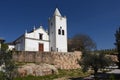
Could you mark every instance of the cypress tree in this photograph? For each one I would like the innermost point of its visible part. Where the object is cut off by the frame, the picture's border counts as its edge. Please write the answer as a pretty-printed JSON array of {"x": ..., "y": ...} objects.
[{"x": 117, "y": 36}]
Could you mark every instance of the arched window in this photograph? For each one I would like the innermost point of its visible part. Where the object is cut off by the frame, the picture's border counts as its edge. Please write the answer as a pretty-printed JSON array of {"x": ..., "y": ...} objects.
[
  {"x": 59, "y": 31},
  {"x": 63, "y": 32}
]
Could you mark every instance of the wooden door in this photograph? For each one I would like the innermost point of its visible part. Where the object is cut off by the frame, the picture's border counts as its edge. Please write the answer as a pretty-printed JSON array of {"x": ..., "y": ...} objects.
[{"x": 41, "y": 47}]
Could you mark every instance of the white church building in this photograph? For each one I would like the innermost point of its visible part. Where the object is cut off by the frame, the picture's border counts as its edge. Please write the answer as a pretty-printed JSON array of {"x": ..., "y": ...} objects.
[{"x": 55, "y": 39}]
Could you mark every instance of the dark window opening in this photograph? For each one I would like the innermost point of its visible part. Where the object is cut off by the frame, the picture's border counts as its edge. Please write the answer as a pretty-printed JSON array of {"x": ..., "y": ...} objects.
[
  {"x": 59, "y": 31},
  {"x": 51, "y": 23},
  {"x": 60, "y": 27},
  {"x": 51, "y": 49},
  {"x": 63, "y": 32},
  {"x": 40, "y": 36}
]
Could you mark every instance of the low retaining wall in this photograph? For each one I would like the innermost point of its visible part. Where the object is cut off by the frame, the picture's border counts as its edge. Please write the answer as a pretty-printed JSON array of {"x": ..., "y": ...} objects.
[{"x": 60, "y": 60}]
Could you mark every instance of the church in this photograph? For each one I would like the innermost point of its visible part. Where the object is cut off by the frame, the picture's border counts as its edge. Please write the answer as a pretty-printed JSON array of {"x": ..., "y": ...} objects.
[{"x": 55, "y": 39}]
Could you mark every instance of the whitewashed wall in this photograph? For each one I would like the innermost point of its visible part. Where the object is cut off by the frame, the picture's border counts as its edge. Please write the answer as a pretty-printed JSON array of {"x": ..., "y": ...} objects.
[
  {"x": 11, "y": 47},
  {"x": 32, "y": 40},
  {"x": 61, "y": 40},
  {"x": 35, "y": 34},
  {"x": 58, "y": 42},
  {"x": 20, "y": 44},
  {"x": 33, "y": 45},
  {"x": 52, "y": 37}
]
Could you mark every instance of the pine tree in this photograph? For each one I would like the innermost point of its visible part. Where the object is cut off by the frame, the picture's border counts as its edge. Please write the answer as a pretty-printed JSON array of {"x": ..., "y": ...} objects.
[{"x": 117, "y": 36}]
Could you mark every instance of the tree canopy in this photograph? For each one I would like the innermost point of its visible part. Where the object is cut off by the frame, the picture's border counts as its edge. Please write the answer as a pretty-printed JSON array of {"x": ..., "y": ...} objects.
[
  {"x": 7, "y": 63},
  {"x": 117, "y": 38},
  {"x": 81, "y": 42},
  {"x": 95, "y": 61},
  {"x": 4, "y": 47}
]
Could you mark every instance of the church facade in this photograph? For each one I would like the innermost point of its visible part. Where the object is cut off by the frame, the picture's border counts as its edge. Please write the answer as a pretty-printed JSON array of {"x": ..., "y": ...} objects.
[{"x": 55, "y": 39}]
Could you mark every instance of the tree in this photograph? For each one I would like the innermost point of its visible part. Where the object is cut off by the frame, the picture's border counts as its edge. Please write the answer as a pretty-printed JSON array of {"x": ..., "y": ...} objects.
[
  {"x": 117, "y": 36},
  {"x": 81, "y": 42},
  {"x": 8, "y": 64},
  {"x": 4, "y": 47},
  {"x": 95, "y": 61}
]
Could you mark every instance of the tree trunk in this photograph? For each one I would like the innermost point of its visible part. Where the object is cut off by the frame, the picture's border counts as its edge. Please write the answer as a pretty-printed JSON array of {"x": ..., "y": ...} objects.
[{"x": 95, "y": 73}]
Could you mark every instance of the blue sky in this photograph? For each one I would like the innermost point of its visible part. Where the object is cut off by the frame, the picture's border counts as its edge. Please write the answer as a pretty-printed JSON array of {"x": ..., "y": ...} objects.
[{"x": 97, "y": 18}]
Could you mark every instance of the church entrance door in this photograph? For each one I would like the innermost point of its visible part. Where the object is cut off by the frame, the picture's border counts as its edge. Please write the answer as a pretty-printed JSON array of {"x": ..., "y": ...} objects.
[{"x": 41, "y": 47}]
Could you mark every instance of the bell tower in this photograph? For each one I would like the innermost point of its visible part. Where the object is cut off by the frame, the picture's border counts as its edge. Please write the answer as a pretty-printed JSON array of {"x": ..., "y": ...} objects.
[{"x": 58, "y": 32}]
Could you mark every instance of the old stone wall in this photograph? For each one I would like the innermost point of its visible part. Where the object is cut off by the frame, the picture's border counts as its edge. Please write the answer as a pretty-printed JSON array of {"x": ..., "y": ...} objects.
[
  {"x": 60, "y": 60},
  {"x": 113, "y": 57}
]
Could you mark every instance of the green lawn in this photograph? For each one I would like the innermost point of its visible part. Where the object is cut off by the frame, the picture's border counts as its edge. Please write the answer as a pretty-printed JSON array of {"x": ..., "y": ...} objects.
[{"x": 62, "y": 73}]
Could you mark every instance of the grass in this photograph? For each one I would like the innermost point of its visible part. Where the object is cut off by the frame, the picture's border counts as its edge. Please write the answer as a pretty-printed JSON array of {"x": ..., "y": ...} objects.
[{"x": 62, "y": 73}]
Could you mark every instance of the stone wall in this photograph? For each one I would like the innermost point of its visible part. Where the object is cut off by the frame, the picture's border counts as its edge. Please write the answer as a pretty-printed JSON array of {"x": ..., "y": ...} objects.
[
  {"x": 59, "y": 60},
  {"x": 113, "y": 57}
]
